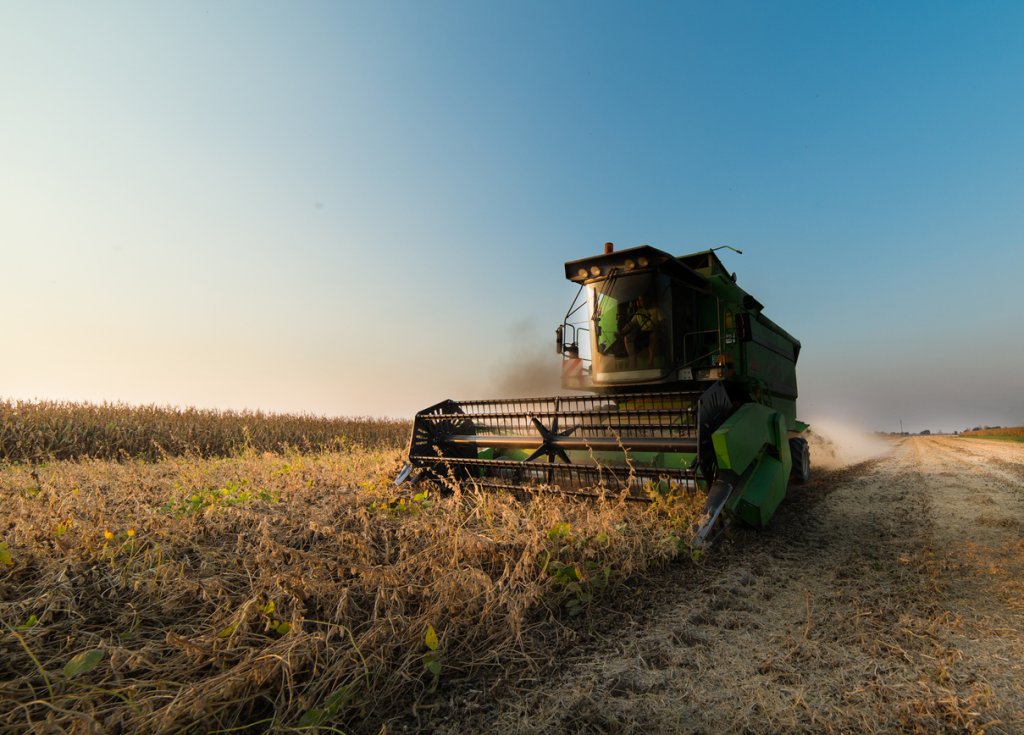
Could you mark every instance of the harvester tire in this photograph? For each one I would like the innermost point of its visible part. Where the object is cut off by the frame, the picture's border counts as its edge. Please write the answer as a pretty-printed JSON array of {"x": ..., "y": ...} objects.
[{"x": 801, "y": 455}]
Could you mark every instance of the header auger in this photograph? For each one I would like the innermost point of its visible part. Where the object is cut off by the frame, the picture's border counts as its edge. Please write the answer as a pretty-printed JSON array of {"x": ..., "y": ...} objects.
[{"x": 689, "y": 384}]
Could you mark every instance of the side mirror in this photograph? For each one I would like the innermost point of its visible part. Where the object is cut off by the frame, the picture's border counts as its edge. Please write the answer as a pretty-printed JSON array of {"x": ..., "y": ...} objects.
[{"x": 558, "y": 338}]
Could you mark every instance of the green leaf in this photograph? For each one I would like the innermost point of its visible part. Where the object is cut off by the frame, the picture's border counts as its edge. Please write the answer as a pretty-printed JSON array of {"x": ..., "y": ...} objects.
[
  {"x": 431, "y": 638},
  {"x": 83, "y": 662},
  {"x": 433, "y": 665},
  {"x": 335, "y": 701},
  {"x": 227, "y": 631},
  {"x": 5, "y": 555},
  {"x": 312, "y": 718},
  {"x": 338, "y": 699},
  {"x": 283, "y": 627},
  {"x": 560, "y": 531},
  {"x": 28, "y": 624}
]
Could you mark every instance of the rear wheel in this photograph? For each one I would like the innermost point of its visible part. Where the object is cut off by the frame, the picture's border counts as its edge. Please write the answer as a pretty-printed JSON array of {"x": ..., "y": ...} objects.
[{"x": 801, "y": 455}]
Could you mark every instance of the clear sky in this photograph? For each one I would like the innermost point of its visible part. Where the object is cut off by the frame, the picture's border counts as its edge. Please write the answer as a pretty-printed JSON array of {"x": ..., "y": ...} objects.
[{"x": 362, "y": 208}]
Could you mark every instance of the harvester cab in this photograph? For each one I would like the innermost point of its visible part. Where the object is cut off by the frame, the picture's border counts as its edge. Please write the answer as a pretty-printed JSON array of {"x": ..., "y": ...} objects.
[{"x": 688, "y": 386}]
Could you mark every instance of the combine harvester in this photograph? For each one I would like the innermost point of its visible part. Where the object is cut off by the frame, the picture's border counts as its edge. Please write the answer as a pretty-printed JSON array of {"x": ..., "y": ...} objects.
[{"x": 691, "y": 387}]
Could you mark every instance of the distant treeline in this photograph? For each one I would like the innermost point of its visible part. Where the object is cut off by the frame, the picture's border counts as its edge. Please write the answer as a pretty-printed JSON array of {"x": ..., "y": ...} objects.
[{"x": 38, "y": 431}]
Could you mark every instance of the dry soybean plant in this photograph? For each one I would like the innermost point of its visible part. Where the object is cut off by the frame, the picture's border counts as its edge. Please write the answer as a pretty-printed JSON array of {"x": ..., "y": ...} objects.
[{"x": 284, "y": 592}]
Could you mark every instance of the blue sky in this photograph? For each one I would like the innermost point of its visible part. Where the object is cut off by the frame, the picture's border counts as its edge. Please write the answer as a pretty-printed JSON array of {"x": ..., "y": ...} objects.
[{"x": 362, "y": 208}]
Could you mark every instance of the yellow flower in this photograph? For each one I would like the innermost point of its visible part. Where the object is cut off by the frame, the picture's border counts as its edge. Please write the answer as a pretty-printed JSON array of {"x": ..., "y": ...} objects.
[
  {"x": 131, "y": 533},
  {"x": 108, "y": 535}
]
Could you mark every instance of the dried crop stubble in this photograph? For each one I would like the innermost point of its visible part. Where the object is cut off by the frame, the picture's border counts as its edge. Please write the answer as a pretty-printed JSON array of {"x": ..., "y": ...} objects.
[
  {"x": 879, "y": 600},
  {"x": 283, "y": 590}
]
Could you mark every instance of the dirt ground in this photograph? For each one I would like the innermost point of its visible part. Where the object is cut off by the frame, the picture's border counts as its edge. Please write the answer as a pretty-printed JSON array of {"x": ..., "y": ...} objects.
[{"x": 887, "y": 596}]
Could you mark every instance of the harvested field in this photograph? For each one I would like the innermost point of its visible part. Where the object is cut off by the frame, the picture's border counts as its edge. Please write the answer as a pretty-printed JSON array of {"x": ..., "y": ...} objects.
[
  {"x": 886, "y": 597},
  {"x": 289, "y": 592}
]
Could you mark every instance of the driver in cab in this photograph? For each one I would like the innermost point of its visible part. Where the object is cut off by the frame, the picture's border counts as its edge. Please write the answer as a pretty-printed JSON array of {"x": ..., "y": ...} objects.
[{"x": 641, "y": 331}]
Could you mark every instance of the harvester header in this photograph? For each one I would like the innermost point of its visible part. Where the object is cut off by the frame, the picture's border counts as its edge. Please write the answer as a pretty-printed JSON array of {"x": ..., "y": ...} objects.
[{"x": 690, "y": 385}]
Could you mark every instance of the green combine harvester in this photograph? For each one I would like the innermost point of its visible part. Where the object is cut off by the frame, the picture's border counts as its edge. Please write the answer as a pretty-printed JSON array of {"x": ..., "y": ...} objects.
[{"x": 688, "y": 386}]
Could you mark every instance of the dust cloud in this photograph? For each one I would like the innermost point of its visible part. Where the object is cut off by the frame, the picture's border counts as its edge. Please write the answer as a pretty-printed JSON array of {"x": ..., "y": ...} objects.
[
  {"x": 530, "y": 374},
  {"x": 835, "y": 444},
  {"x": 532, "y": 370}
]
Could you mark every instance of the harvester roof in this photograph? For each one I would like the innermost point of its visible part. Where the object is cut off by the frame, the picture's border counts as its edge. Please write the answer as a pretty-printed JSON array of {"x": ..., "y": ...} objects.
[
  {"x": 642, "y": 257},
  {"x": 705, "y": 262}
]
